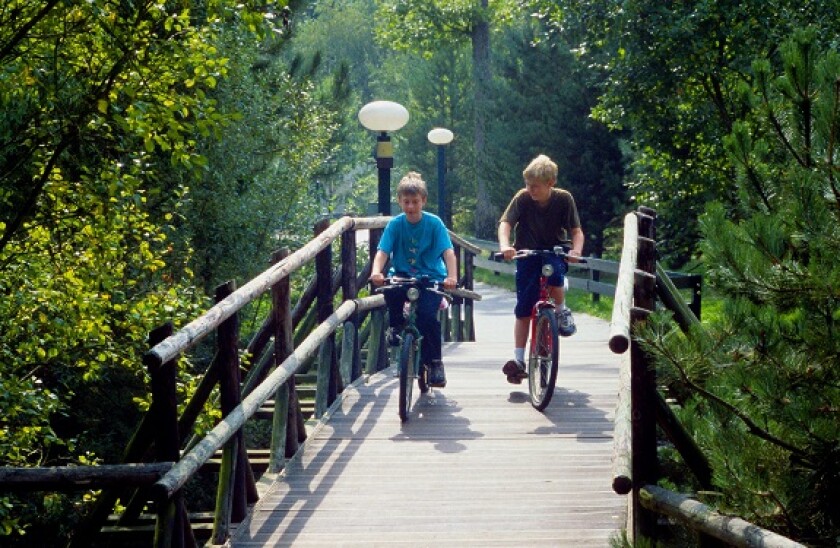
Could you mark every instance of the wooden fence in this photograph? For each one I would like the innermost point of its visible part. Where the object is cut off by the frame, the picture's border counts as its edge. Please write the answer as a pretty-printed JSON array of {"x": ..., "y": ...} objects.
[
  {"x": 597, "y": 276},
  {"x": 641, "y": 407},
  {"x": 163, "y": 455}
]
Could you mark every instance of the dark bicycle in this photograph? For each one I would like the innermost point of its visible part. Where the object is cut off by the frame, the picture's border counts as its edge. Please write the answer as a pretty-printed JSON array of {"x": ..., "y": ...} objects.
[
  {"x": 544, "y": 348},
  {"x": 409, "y": 366}
]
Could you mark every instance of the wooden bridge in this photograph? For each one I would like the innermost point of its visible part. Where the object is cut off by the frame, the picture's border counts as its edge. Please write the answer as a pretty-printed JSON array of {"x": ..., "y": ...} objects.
[{"x": 475, "y": 464}]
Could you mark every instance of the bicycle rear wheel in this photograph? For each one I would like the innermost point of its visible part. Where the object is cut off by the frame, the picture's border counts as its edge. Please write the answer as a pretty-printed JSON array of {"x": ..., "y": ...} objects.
[
  {"x": 544, "y": 360},
  {"x": 407, "y": 352}
]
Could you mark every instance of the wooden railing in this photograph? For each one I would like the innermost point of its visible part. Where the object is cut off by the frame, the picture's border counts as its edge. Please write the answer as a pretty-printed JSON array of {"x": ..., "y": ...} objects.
[
  {"x": 641, "y": 280},
  {"x": 162, "y": 457},
  {"x": 597, "y": 276}
]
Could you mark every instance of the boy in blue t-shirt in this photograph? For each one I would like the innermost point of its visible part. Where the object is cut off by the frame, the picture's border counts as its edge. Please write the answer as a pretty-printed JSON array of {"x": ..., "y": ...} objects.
[{"x": 418, "y": 244}]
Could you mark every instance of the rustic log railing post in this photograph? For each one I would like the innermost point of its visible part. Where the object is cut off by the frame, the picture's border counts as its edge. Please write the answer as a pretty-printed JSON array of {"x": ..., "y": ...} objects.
[
  {"x": 350, "y": 364},
  {"x": 377, "y": 349},
  {"x": 231, "y": 503},
  {"x": 456, "y": 330},
  {"x": 327, "y": 383},
  {"x": 469, "y": 308},
  {"x": 173, "y": 524},
  {"x": 643, "y": 379},
  {"x": 284, "y": 421},
  {"x": 619, "y": 343}
]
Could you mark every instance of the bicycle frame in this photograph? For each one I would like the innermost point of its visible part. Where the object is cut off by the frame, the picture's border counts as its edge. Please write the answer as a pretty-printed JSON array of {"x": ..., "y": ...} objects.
[
  {"x": 543, "y": 301},
  {"x": 544, "y": 344},
  {"x": 409, "y": 364}
]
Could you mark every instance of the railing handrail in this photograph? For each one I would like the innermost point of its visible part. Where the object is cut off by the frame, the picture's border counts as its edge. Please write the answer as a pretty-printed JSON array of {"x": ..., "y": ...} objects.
[
  {"x": 623, "y": 302},
  {"x": 193, "y": 332},
  {"x": 175, "y": 478}
]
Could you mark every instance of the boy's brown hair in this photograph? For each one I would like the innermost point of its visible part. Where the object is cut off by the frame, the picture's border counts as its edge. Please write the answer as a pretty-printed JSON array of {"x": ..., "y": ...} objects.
[
  {"x": 540, "y": 170},
  {"x": 412, "y": 184}
]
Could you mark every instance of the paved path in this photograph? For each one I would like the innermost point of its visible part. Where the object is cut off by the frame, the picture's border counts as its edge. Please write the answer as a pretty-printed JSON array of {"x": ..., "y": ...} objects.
[{"x": 475, "y": 465}]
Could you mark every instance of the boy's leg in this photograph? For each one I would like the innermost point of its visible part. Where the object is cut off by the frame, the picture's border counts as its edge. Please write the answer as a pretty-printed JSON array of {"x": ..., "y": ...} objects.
[
  {"x": 430, "y": 348},
  {"x": 556, "y": 288},
  {"x": 527, "y": 293},
  {"x": 395, "y": 301},
  {"x": 520, "y": 331}
]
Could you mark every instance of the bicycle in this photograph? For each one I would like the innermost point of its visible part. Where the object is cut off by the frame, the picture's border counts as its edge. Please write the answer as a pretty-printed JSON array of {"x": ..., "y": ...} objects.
[
  {"x": 409, "y": 366},
  {"x": 544, "y": 346}
]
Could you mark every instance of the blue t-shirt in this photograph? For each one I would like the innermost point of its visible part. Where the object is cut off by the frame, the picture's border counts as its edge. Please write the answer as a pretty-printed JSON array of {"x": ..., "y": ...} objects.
[{"x": 416, "y": 249}]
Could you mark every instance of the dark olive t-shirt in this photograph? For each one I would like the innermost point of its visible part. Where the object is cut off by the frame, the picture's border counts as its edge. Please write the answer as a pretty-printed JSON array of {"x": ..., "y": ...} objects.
[{"x": 541, "y": 227}]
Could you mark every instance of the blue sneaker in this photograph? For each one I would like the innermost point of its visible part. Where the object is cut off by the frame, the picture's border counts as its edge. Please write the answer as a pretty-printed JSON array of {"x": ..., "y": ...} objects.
[{"x": 437, "y": 376}]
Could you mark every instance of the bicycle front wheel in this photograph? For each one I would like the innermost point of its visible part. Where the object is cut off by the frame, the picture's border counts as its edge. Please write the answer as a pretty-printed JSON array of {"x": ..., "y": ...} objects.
[
  {"x": 544, "y": 360},
  {"x": 407, "y": 356}
]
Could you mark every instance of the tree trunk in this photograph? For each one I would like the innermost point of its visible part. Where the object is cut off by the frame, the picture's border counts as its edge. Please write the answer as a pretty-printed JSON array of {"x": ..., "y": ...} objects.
[{"x": 485, "y": 214}]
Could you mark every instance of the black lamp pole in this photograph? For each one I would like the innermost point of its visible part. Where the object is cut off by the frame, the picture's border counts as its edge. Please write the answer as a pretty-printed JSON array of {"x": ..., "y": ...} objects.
[
  {"x": 441, "y": 171},
  {"x": 384, "y": 163}
]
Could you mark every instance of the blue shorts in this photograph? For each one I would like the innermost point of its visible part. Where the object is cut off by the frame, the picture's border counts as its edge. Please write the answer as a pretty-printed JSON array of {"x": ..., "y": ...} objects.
[{"x": 528, "y": 271}]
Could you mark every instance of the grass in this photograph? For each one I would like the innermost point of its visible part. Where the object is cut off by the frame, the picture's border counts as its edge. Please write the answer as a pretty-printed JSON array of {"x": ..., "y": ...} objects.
[
  {"x": 577, "y": 300},
  {"x": 581, "y": 301}
]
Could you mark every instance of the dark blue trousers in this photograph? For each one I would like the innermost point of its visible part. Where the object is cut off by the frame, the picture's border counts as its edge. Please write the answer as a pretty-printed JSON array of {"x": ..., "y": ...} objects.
[{"x": 427, "y": 320}]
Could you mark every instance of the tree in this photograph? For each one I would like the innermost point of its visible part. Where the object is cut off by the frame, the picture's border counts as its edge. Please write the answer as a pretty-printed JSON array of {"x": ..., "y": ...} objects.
[
  {"x": 262, "y": 173},
  {"x": 671, "y": 74},
  {"x": 423, "y": 27},
  {"x": 544, "y": 106},
  {"x": 765, "y": 380},
  {"x": 103, "y": 105}
]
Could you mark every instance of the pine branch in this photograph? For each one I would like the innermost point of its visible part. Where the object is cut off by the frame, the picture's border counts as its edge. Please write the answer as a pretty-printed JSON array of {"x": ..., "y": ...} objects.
[{"x": 752, "y": 427}]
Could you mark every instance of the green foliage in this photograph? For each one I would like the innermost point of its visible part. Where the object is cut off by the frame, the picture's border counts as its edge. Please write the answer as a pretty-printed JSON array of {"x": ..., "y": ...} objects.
[
  {"x": 103, "y": 107},
  {"x": 671, "y": 75},
  {"x": 525, "y": 123},
  {"x": 765, "y": 379},
  {"x": 257, "y": 192}
]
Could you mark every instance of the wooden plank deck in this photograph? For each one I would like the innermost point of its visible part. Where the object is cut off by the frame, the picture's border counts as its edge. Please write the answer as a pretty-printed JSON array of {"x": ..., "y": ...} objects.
[{"x": 476, "y": 465}]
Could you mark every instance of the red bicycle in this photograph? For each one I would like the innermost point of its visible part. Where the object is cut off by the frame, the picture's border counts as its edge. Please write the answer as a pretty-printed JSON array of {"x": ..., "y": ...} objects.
[{"x": 544, "y": 348}]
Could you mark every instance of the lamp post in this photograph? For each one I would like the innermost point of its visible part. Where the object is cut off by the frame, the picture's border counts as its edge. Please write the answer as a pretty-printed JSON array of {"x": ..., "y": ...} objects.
[
  {"x": 384, "y": 116},
  {"x": 441, "y": 137}
]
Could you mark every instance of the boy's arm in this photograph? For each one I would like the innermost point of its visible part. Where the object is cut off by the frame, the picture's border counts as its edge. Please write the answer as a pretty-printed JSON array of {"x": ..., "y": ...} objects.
[
  {"x": 504, "y": 240},
  {"x": 449, "y": 259},
  {"x": 379, "y": 261},
  {"x": 577, "y": 242}
]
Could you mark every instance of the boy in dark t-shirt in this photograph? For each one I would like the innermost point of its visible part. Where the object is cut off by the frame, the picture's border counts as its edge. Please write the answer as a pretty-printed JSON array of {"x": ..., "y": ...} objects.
[{"x": 542, "y": 217}]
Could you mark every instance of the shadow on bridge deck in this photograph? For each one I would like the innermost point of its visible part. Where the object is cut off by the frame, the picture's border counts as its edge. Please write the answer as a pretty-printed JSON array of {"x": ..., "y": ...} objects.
[{"x": 475, "y": 465}]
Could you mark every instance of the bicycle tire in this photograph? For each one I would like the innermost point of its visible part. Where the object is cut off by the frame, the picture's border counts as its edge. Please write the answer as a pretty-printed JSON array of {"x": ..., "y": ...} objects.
[
  {"x": 544, "y": 360},
  {"x": 407, "y": 357}
]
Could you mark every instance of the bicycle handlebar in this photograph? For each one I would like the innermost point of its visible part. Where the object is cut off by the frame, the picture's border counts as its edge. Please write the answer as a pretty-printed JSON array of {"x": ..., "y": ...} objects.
[
  {"x": 558, "y": 251},
  {"x": 420, "y": 283}
]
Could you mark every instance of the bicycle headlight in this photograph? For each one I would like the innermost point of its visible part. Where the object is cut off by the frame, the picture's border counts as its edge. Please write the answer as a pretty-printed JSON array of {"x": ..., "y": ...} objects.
[
  {"x": 413, "y": 294},
  {"x": 547, "y": 270}
]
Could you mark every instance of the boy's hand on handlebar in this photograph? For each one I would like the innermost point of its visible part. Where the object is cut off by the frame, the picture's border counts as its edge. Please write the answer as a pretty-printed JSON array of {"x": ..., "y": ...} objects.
[
  {"x": 377, "y": 278},
  {"x": 573, "y": 256},
  {"x": 450, "y": 283},
  {"x": 507, "y": 252}
]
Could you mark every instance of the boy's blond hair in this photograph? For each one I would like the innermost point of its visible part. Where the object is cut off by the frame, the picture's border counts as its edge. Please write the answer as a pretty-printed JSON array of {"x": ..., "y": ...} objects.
[
  {"x": 412, "y": 184},
  {"x": 540, "y": 170}
]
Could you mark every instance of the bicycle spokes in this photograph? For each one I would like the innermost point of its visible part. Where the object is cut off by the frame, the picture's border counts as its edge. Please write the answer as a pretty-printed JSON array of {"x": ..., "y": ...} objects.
[{"x": 543, "y": 361}]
